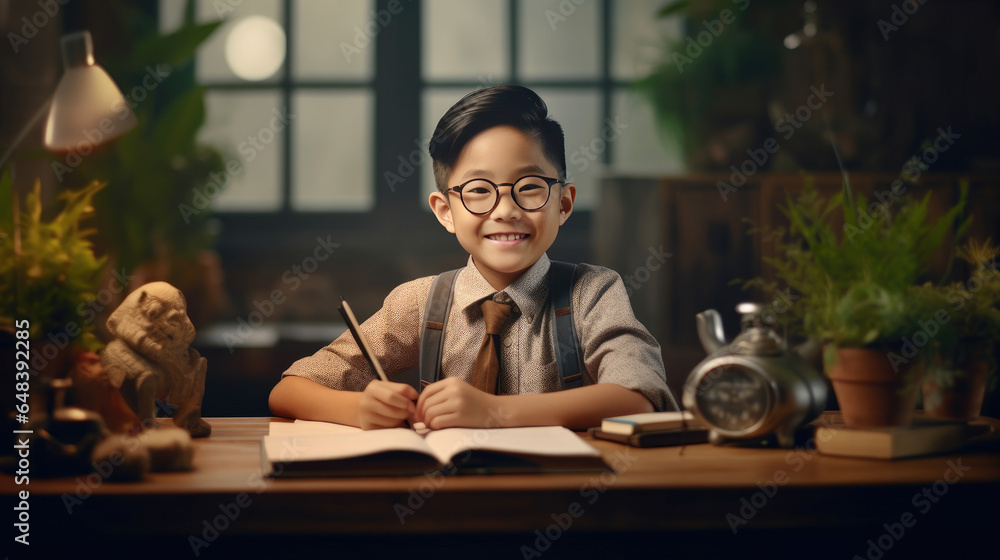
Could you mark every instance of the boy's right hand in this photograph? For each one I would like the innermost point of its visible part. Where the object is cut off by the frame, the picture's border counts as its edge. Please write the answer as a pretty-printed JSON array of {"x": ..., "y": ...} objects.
[{"x": 385, "y": 404}]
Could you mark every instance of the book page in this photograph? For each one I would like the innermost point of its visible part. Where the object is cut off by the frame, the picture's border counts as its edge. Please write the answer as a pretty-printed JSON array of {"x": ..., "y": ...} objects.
[
  {"x": 305, "y": 427},
  {"x": 318, "y": 447},
  {"x": 553, "y": 441}
]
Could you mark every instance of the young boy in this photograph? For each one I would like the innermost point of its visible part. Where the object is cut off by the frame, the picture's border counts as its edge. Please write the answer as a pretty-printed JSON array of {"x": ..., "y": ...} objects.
[{"x": 500, "y": 168}]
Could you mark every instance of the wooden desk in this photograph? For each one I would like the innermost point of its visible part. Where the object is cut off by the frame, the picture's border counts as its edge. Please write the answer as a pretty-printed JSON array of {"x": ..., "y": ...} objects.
[{"x": 780, "y": 501}]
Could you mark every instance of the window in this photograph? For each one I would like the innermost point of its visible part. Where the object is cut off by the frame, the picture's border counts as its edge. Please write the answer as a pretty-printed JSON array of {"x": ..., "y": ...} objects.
[
  {"x": 294, "y": 89},
  {"x": 579, "y": 55},
  {"x": 290, "y": 96}
]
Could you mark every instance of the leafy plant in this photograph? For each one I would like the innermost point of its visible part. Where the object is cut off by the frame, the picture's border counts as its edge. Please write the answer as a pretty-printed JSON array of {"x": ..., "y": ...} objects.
[
  {"x": 977, "y": 301},
  {"x": 156, "y": 169},
  {"x": 687, "y": 86},
  {"x": 967, "y": 314},
  {"x": 47, "y": 268},
  {"x": 856, "y": 284}
]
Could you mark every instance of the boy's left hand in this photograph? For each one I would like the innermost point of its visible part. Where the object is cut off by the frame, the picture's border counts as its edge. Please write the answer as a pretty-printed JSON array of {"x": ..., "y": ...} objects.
[{"x": 452, "y": 402}]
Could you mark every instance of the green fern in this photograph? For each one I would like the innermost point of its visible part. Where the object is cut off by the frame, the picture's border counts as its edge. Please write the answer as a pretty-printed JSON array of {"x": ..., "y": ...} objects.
[
  {"x": 855, "y": 282},
  {"x": 48, "y": 270}
]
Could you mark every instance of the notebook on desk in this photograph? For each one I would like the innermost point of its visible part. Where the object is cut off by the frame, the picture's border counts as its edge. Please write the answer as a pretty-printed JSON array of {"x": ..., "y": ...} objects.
[
  {"x": 661, "y": 438},
  {"x": 401, "y": 451}
]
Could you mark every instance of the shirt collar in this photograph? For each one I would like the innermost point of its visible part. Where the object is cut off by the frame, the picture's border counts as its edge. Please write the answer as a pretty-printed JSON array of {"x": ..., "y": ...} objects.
[{"x": 471, "y": 288}]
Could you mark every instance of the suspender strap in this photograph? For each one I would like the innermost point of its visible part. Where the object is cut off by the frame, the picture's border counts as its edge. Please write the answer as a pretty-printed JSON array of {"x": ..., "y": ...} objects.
[
  {"x": 435, "y": 316},
  {"x": 561, "y": 276},
  {"x": 567, "y": 346}
]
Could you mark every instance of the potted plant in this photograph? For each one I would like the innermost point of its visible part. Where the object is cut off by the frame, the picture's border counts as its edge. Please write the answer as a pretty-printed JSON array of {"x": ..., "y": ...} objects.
[
  {"x": 855, "y": 272},
  {"x": 709, "y": 91},
  {"x": 49, "y": 276},
  {"x": 968, "y": 315}
]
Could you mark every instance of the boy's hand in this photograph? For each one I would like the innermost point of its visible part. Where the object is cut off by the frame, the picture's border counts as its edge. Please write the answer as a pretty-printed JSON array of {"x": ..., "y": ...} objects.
[
  {"x": 385, "y": 404},
  {"x": 452, "y": 402}
]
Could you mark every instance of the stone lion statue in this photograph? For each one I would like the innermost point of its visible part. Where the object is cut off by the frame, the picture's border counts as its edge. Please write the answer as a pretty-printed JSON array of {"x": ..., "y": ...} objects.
[{"x": 150, "y": 357}]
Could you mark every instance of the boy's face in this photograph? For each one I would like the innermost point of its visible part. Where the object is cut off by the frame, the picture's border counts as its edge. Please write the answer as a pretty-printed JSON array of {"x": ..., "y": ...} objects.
[{"x": 508, "y": 240}]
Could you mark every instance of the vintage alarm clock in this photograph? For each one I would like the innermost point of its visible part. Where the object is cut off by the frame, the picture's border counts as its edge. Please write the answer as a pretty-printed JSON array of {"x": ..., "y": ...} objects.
[{"x": 755, "y": 386}]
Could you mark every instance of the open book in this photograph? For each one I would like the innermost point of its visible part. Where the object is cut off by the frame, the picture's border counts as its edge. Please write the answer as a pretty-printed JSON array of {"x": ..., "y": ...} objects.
[{"x": 401, "y": 451}]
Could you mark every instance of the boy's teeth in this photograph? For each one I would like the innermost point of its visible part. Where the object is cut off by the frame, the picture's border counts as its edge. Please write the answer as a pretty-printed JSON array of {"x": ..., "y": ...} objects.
[{"x": 506, "y": 237}]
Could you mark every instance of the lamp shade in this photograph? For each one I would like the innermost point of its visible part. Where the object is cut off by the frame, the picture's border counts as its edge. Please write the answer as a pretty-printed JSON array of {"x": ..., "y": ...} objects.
[{"x": 88, "y": 108}]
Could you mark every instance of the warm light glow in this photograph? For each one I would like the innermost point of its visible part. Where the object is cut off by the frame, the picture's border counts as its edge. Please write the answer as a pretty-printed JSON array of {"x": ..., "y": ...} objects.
[
  {"x": 87, "y": 108},
  {"x": 255, "y": 48}
]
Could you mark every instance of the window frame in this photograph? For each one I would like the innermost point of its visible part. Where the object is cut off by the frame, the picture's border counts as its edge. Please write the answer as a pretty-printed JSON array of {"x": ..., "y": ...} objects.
[{"x": 398, "y": 86}]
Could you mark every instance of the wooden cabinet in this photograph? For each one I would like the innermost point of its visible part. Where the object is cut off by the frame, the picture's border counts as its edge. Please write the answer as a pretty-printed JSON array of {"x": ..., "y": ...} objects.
[{"x": 706, "y": 230}]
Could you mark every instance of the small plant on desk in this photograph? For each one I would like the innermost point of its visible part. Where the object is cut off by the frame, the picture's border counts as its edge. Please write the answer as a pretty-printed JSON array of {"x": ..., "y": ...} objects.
[{"x": 855, "y": 264}]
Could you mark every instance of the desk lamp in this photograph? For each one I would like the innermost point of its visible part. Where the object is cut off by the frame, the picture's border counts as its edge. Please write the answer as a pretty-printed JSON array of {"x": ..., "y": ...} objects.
[{"x": 85, "y": 105}]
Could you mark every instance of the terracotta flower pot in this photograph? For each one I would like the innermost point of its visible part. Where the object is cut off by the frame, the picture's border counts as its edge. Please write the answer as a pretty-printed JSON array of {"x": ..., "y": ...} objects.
[
  {"x": 870, "y": 391},
  {"x": 92, "y": 390},
  {"x": 963, "y": 399}
]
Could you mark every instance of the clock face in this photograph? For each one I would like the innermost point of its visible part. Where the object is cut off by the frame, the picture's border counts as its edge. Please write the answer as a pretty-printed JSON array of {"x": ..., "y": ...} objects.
[{"x": 732, "y": 398}]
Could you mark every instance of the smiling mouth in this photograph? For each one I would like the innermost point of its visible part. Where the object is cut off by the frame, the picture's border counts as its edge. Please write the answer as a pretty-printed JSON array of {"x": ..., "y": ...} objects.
[{"x": 507, "y": 236}]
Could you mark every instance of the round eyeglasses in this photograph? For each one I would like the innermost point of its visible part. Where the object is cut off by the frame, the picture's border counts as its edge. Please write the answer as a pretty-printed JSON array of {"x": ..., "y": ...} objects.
[{"x": 481, "y": 196}]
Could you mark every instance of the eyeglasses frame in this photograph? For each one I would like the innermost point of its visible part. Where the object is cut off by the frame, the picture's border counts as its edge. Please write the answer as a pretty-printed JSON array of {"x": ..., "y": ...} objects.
[{"x": 496, "y": 188}]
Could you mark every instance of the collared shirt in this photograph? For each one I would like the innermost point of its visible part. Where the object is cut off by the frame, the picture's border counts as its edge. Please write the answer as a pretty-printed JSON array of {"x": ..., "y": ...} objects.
[{"x": 616, "y": 347}]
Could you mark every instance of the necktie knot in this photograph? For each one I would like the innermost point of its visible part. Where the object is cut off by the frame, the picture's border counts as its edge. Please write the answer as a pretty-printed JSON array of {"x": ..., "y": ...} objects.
[{"x": 494, "y": 315}]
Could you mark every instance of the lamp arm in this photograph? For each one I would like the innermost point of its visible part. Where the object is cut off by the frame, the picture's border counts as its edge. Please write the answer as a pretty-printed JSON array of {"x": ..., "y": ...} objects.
[{"x": 24, "y": 132}]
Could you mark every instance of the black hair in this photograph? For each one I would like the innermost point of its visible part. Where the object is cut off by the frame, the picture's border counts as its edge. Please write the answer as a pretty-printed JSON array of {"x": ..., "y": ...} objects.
[{"x": 509, "y": 105}]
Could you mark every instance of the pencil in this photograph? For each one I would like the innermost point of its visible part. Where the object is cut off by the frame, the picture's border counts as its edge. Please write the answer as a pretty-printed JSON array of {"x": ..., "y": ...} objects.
[{"x": 352, "y": 323}]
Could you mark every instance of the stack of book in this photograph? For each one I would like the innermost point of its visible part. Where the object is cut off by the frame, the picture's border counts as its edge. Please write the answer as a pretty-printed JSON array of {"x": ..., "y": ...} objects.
[
  {"x": 924, "y": 436},
  {"x": 653, "y": 429}
]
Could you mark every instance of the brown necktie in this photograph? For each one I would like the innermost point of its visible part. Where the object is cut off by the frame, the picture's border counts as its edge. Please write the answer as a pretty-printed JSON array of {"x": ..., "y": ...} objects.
[{"x": 484, "y": 373}]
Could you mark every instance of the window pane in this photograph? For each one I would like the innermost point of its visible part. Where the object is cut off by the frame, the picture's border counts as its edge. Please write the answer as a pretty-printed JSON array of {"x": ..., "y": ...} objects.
[
  {"x": 435, "y": 102},
  {"x": 248, "y": 127},
  {"x": 262, "y": 48},
  {"x": 637, "y": 43},
  {"x": 171, "y": 14},
  {"x": 641, "y": 148},
  {"x": 220, "y": 53},
  {"x": 332, "y": 160},
  {"x": 335, "y": 39},
  {"x": 465, "y": 40},
  {"x": 578, "y": 111},
  {"x": 558, "y": 39}
]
